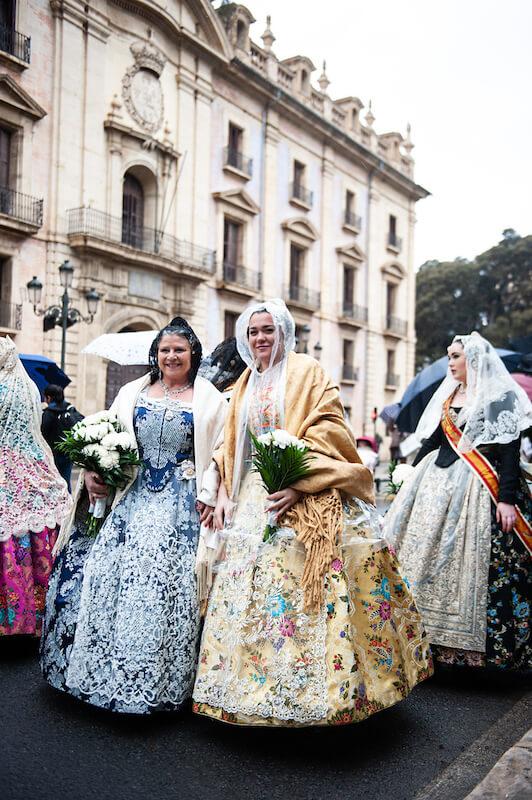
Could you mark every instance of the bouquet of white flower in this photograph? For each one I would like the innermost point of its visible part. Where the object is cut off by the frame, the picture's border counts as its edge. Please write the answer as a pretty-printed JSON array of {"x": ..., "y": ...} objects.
[
  {"x": 280, "y": 459},
  {"x": 100, "y": 444},
  {"x": 397, "y": 474}
]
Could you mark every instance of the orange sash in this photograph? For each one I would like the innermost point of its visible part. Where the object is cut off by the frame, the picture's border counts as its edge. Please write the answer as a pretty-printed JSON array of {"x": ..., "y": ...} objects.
[{"x": 483, "y": 469}]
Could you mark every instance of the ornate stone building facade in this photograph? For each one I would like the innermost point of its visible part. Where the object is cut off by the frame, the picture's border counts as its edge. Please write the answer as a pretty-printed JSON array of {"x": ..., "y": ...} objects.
[{"x": 184, "y": 168}]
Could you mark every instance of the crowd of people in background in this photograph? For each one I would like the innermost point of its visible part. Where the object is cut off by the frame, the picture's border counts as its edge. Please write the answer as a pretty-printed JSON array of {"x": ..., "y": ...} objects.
[{"x": 178, "y": 597}]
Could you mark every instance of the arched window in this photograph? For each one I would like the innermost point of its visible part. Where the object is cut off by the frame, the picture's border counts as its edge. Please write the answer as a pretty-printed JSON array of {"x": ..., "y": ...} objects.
[{"x": 132, "y": 211}]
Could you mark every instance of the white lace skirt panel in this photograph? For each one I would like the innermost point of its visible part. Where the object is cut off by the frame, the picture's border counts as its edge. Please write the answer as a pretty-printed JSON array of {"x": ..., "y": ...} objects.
[{"x": 440, "y": 527}]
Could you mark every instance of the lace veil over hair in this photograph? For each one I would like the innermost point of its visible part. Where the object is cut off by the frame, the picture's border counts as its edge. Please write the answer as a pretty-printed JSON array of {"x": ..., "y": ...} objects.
[
  {"x": 496, "y": 409},
  {"x": 265, "y": 386},
  {"x": 32, "y": 493}
]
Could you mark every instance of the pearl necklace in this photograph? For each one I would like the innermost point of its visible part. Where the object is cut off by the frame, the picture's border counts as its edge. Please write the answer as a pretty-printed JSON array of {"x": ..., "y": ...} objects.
[{"x": 169, "y": 392}]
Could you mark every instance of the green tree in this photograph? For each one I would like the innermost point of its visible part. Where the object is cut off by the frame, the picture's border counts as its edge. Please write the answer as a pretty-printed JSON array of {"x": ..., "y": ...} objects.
[{"x": 491, "y": 294}]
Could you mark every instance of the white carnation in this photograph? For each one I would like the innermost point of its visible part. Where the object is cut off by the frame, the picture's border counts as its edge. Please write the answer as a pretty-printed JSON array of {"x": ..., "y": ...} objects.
[
  {"x": 95, "y": 419},
  {"x": 401, "y": 473},
  {"x": 94, "y": 451},
  {"x": 109, "y": 459},
  {"x": 284, "y": 439},
  {"x": 125, "y": 441},
  {"x": 265, "y": 438},
  {"x": 122, "y": 440}
]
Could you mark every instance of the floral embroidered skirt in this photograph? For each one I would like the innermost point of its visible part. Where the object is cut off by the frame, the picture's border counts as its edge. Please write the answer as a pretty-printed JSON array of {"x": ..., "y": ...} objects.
[
  {"x": 25, "y": 566},
  {"x": 122, "y": 617},
  {"x": 471, "y": 581},
  {"x": 264, "y": 661}
]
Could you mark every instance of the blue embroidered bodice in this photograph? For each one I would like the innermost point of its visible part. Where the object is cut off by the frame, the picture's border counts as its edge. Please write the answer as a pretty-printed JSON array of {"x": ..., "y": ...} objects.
[{"x": 165, "y": 436}]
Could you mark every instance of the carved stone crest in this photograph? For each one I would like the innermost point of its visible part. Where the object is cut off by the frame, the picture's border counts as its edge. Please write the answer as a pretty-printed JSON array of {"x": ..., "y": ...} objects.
[{"x": 141, "y": 88}]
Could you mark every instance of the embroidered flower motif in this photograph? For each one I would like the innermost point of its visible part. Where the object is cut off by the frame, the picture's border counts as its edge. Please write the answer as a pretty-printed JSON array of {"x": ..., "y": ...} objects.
[
  {"x": 287, "y": 627},
  {"x": 337, "y": 565},
  {"x": 385, "y": 610},
  {"x": 338, "y": 662},
  {"x": 275, "y": 605}
]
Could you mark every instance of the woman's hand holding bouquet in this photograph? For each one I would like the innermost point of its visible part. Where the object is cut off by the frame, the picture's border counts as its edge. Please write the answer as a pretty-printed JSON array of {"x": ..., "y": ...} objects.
[
  {"x": 281, "y": 460},
  {"x": 100, "y": 445}
]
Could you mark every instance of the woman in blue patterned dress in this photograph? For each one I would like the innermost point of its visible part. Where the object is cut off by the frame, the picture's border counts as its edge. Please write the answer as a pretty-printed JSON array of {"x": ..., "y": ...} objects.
[{"x": 122, "y": 617}]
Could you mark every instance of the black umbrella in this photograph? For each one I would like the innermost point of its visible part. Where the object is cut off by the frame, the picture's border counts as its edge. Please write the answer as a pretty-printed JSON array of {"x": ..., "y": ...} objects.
[{"x": 422, "y": 387}]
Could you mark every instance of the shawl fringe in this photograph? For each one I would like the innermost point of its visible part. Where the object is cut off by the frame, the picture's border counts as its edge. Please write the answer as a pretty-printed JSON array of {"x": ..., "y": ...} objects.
[{"x": 317, "y": 519}]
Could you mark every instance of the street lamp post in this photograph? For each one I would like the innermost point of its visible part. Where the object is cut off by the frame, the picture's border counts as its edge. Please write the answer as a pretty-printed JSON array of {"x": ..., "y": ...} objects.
[
  {"x": 305, "y": 336},
  {"x": 62, "y": 315}
]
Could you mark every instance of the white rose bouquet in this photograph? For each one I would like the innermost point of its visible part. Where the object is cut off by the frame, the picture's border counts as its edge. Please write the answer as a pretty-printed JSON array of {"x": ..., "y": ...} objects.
[
  {"x": 397, "y": 474},
  {"x": 280, "y": 459},
  {"x": 100, "y": 444}
]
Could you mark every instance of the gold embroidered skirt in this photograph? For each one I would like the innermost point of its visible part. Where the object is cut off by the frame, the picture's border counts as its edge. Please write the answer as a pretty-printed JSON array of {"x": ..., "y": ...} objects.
[{"x": 265, "y": 661}]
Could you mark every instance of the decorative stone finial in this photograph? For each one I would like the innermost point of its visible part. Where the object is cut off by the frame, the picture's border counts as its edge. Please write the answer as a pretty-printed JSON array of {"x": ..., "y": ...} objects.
[
  {"x": 408, "y": 145},
  {"x": 167, "y": 134},
  {"x": 370, "y": 116},
  {"x": 267, "y": 37},
  {"x": 323, "y": 80},
  {"x": 114, "y": 112}
]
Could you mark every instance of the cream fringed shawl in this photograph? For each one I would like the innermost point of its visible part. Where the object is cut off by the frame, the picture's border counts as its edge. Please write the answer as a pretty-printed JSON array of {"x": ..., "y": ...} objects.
[{"x": 312, "y": 412}]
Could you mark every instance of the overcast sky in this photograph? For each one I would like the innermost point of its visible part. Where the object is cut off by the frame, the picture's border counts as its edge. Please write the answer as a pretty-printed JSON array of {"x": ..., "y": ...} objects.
[{"x": 460, "y": 71}]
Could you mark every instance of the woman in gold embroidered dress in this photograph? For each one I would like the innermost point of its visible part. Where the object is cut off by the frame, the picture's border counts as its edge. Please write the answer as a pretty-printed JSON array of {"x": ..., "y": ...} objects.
[
  {"x": 316, "y": 626},
  {"x": 456, "y": 522}
]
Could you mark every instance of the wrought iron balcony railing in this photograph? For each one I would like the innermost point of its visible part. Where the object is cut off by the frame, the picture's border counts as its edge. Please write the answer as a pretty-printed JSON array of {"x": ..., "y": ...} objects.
[
  {"x": 15, "y": 43},
  {"x": 396, "y": 325},
  {"x": 352, "y": 219},
  {"x": 392, "y": 379},
  {"x": 234, "y": 158},
  {"x": 300, "y": 192},
  {"x": 302, "y": 295},
  {"x": 349, "y": 372},
  {"x": 354, "y": 312},
  {"x": 21, "y": 206},
  {"x": 395, "y": 241},
  {"x": 235, "y": 273},
  {"x": 90, "y": 222},
  {"x": 10, "y": 315}
]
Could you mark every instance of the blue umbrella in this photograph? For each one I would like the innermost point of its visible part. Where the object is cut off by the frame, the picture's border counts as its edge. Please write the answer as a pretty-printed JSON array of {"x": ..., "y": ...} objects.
[
  {"x": 390, "y": 413},
  {"x": 422, "y": 387},
  {"x": 43, "y": 371}
]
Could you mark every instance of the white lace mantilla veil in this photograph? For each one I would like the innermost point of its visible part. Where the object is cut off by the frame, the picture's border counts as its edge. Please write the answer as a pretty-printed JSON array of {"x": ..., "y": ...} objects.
[
  {"x": 496, "y": 410},
  {"x": 33, "y": 495},
  {"x": 268, "y": 383}
]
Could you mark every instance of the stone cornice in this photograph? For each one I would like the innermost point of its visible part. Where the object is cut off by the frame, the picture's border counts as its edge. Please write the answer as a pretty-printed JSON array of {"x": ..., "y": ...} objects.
[
  {"x": 217, "y": 49},
  {"x": 83, "y": 16},
  {"x": 337, "y": 139}
]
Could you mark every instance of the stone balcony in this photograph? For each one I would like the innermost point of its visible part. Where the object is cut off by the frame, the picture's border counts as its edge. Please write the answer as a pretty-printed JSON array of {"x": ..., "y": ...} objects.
[
  {"x": 237, "y": 163},
  {"x": 354, "y": 314},
  {"x": 94, "y": 231},
  {"x": 240, "y": 280},
  {"x": 349, "y": 373},
  {"x": 303, "y": 297},
  {"x": 396, "y": 326},
  {"x": 15, "y": 47},
  {"x": 392, "y": 380},
  {"x": 352, "y": 222},
  {"x": 20, "y": 214},
  {"x": 394, "y": 243},
  {"x": 300, "y": 196}
]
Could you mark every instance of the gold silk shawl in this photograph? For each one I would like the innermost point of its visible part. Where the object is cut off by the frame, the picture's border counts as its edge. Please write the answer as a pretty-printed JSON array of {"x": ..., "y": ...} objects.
[{"x": 312, "y": 412}]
